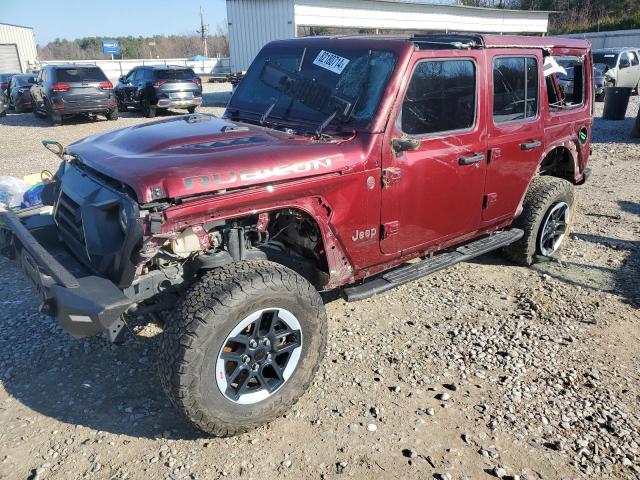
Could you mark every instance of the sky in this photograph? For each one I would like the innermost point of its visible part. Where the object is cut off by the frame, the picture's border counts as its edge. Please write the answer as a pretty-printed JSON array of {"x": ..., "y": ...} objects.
[{"x": 72, "y": 19}]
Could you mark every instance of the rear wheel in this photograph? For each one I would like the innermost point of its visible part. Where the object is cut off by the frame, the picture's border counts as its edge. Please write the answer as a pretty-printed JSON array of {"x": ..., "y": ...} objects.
[
  {"x": 113, "y": 115},
  {"x": 242, "y": 346},
  {"x": 546, "y": 219},
  {"x": 54, "y": 116},
  {"x": 148, "y": 110}
]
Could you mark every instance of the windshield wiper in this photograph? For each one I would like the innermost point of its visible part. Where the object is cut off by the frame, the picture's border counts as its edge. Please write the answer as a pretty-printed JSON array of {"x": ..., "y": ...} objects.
[
  {"x": 265, "y": 115},
  {"x": 324, "y": 124}
]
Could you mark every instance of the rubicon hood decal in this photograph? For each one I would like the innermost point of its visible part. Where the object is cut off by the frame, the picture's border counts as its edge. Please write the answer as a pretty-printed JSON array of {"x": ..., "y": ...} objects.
[
  {"x": 235, "y": 178},
  {"x": 175, "y": 158}
]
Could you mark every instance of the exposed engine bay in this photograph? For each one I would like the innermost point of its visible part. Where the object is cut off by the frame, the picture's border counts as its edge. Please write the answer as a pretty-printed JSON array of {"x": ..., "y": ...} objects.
[{"x": 288, "y": 237}]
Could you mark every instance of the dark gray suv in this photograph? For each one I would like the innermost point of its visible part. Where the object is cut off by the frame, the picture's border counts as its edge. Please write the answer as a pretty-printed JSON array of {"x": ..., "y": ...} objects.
[
  {"x": 150, "y": 88},
  {"x": 62, "y": 90}
]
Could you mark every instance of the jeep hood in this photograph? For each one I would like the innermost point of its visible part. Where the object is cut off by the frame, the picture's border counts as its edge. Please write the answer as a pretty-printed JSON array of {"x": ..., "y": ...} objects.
[{"x": 196, "y": 154}]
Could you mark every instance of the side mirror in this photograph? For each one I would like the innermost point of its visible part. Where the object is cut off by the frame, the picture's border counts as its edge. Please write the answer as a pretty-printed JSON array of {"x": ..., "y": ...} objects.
[
  {"x": 625, "y": 63},
  {"x": 122, "y": 79},
  {"x": 403, "y": 144}
]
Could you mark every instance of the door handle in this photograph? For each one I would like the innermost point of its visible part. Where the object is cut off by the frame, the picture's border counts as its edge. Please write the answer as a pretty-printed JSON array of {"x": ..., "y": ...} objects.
[
  {"x": 530, "y": 145},
  {"x": 468, "y": 160}
]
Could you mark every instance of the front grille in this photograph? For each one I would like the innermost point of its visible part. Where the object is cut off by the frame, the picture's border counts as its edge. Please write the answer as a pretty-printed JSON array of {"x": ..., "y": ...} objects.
[{"x": 69, "y": 219}]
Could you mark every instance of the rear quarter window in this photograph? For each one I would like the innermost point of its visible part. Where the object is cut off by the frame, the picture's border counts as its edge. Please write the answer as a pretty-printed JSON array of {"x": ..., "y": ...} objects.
[{"x": 80, "y": 75}]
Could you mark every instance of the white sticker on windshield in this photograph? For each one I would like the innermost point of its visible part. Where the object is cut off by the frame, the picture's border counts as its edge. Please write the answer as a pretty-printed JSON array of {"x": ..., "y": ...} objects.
[{"x": 331, "y": 61}]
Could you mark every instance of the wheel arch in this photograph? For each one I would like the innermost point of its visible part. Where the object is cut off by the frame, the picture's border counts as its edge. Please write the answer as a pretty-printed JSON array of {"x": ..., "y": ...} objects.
[
  {"x": 337, "y": 265},
  {"x": 561, "y": 160}
]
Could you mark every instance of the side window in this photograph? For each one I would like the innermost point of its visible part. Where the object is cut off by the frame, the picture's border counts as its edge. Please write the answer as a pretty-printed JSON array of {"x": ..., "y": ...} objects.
[
  {"x": 441, "y": 97},
  {"x": 515, "y": 88},
  {"x": 572, "y": 83},
  {"x": 624, "y": 57},
  {"x": 634, "y": 58}
]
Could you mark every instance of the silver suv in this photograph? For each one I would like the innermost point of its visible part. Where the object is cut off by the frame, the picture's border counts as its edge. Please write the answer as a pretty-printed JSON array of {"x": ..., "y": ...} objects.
[{"x": 621, "y": 66}]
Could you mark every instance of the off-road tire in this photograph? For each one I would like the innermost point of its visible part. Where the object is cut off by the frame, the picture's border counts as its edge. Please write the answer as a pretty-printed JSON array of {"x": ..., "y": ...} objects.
[
  {"x": 113, "y": 115},
  {"x": 148, "y": 110},
  {"x": 200, "y": 324},
  {"x": 544, "y": 192}
]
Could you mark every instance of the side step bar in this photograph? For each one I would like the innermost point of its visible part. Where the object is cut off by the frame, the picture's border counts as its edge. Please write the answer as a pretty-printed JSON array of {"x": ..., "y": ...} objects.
[{"x": 414, "y": 271}]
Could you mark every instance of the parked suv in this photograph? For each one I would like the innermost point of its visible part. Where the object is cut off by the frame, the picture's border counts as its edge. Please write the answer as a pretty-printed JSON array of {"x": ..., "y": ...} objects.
[
  {"x": 19, "y": 92},
  {"x": 338, "y": 161},
  {"x": 159, "y": 87},
  {"x": 63, "y": 90},
  {"x": 622, "y": 66}
]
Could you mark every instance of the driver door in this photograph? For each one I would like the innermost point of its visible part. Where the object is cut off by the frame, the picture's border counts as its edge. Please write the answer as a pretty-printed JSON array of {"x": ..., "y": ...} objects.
[{"x": 434, "y": 153}]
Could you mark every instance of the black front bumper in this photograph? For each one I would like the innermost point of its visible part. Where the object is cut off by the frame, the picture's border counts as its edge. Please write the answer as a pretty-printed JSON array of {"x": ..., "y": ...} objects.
[{"x": 83, "y": 304}]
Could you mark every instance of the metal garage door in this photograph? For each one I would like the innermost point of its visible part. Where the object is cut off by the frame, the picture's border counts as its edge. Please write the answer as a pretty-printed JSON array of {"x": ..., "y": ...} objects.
[{"x": 9, "y": 61}]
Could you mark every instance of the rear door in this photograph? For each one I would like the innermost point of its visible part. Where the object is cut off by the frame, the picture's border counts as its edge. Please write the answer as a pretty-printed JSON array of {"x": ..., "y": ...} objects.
[
  {"x": 83, "y": 85},
  {"x": 432, "y": 189},
  {"x": 177, "y": 84},
  {"x": 515, "y": 128}
]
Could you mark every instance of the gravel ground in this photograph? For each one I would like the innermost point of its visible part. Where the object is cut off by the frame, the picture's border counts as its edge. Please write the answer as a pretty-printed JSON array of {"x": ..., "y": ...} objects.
[{"x": 484, "y": 370}]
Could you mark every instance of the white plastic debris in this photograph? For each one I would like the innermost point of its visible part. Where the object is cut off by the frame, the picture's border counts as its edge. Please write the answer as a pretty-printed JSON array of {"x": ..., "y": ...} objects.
[{"x": 12, "y": 191}]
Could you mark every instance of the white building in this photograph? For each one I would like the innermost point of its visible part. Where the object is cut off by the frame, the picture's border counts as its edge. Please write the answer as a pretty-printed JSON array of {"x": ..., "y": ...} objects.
[
  {"x": 253, "y": 23},
  {"x": 614, "y": 38},
  {"x": 18, "y": 51}
]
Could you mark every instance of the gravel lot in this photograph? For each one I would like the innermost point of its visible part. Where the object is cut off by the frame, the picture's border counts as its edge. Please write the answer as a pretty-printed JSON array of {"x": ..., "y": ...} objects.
[{"x": 485, "y": 370}]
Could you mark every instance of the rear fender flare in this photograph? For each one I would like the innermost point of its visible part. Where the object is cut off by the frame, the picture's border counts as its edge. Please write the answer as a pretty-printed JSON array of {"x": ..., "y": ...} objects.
[{"x": 568, "y": 144}]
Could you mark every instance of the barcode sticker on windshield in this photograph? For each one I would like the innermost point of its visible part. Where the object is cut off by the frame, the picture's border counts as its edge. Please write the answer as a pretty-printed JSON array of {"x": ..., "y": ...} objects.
[{"x": 331, "y": 61}]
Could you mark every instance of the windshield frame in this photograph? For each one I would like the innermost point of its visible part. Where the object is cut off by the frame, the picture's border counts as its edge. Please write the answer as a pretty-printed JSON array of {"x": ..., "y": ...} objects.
[{"x": 399, "y": 48}]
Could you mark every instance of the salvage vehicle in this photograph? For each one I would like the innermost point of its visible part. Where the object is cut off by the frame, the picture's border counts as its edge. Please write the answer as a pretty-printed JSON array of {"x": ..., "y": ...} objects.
[
  {"x": 19, "y": 92},
  {"x": 352, "y": 163},
  {"x": 623, "y": 67},
  {"x": 65, "y": 90},
  {"x": 5, "y": 78},
  {"x": 151, "y": 88}
]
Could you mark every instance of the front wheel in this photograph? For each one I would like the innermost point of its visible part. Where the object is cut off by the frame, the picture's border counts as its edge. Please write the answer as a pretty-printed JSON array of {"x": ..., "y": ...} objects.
[
  {"x": 546, "y": 219},
  {"x": 242, "y": 346}
]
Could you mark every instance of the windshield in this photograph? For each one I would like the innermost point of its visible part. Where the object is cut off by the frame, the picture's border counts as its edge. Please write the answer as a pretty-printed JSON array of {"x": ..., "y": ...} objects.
[
  {"x": 24, "y": 80},
  {"x": 609, "y": 59},
  {"x": 93, "y": 74},
  {"x": 175, "y": 74},
  {"x": 312, "y": 83},
  {"x": 600, "y": 68}
]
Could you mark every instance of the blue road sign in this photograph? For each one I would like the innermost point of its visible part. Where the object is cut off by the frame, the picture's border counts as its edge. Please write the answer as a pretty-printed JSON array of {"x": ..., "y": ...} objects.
[{"x": 111, "y": 47}]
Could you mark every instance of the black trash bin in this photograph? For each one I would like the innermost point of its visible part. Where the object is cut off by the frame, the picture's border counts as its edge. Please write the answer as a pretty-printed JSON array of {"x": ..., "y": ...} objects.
[
  {"x": 616, "y": 101},
  {"x": 635, "y": 130}
]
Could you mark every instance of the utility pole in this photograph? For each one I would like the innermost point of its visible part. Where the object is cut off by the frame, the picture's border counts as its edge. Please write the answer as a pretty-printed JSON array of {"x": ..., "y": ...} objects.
[{"x": 204, "y": 31}]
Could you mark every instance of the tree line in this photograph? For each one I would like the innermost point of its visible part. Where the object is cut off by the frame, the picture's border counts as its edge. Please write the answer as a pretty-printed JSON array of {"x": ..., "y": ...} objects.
[
  {"x": 157, "y": 46},
  {"x": 575, "y": 16}
]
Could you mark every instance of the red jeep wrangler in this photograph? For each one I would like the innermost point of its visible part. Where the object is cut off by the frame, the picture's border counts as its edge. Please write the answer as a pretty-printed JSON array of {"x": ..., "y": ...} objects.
[{"x": 337, "y": 161}]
